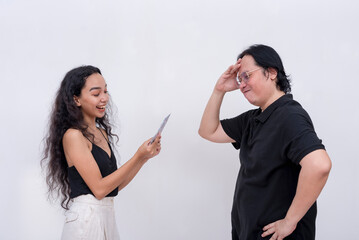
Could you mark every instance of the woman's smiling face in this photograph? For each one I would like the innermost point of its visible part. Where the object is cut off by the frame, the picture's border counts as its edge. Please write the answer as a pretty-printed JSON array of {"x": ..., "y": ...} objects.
[{"x": 93, "y": 98}]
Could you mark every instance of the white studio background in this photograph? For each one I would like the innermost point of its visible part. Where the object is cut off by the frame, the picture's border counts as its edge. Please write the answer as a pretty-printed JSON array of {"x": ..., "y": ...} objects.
[{"x": 161, "y": 57}]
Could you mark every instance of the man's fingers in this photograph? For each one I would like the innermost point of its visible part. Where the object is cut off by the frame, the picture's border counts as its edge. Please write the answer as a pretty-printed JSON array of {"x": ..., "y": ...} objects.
[
  {"x": 268, "y": 226},
  {"x": 229, "y": 70},
  {"x": 268, "y": 232},
  {"x": 274, "y": 237}
]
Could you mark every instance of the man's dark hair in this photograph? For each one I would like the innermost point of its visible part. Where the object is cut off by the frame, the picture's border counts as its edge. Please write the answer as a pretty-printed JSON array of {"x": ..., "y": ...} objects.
[{"x": 266, "y": 57}]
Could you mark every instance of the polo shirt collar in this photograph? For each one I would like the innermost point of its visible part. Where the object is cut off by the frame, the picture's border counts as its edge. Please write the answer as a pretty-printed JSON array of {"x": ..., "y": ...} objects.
[{"x": 263, "y": 116}]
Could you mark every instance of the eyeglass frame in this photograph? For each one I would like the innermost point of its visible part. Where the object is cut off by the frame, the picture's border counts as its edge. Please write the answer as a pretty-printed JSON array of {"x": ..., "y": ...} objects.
[{"x": 244, "y": 76}]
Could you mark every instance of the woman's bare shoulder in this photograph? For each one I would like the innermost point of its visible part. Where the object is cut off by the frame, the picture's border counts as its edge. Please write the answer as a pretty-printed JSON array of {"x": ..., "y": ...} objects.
[{"x": 72, "y": 134}]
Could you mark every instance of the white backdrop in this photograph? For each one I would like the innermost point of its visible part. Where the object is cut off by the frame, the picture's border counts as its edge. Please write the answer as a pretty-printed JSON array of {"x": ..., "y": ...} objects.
[{"x": 161, "y": 57}]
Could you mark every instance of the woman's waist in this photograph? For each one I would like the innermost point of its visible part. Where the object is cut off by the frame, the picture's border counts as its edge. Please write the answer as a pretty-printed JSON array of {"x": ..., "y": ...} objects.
[{"x": 90, "y": 199}]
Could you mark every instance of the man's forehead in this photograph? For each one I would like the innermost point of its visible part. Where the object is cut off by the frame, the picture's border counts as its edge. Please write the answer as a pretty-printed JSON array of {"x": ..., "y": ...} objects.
[{"x": 247, "y": 62}]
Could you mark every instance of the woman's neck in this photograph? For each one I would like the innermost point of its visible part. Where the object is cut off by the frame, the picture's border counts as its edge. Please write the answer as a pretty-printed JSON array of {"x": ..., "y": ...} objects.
[{"x": 90, "y": 122}]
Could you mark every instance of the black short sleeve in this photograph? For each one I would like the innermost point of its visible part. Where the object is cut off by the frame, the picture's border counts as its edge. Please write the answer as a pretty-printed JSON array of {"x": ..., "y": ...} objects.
[
  {"x": 301, "y": 136},
  {"x": 234, "y": 127}
]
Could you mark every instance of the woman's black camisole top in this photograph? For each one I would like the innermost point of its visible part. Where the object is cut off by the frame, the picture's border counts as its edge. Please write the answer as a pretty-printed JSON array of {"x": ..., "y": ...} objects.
[{"x": 106, "y": 164}]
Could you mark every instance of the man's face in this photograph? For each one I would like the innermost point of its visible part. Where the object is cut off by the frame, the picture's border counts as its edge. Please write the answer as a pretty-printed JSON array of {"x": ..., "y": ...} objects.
[{"x": 258, "y": 86}]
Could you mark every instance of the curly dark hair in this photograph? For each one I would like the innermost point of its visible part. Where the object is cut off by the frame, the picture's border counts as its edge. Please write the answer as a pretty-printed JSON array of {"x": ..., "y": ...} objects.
[
  {"x": 65, "y": 114},
  {"x": 266, "y": 57}
]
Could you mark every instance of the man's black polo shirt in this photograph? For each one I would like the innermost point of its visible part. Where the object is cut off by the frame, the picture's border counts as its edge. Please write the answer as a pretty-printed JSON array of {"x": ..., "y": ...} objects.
[{"x": 271, "y": 143}]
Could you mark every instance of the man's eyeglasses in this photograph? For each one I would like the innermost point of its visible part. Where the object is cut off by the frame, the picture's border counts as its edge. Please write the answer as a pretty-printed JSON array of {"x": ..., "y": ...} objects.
[{"x": 244, "y": 76}]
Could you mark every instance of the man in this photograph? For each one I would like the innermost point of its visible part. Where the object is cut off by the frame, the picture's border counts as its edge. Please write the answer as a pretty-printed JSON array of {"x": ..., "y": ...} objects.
[{"x": 284, "y": 166}]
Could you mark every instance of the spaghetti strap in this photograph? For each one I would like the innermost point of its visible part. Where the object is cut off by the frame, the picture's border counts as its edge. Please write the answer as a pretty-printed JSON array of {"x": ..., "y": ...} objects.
[
  {"x": 104, "y": 136},
  {"x": 88, "y": 138}
]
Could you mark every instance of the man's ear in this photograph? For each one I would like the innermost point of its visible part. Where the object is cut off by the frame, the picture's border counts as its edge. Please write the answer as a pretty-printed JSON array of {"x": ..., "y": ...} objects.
[
  {"x": 77, "y": 101},
  {"x": 272, "y": 73}
]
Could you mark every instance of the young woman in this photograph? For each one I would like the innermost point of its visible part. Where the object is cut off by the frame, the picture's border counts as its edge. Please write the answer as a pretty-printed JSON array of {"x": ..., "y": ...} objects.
[{"x": 79, "y": 160}]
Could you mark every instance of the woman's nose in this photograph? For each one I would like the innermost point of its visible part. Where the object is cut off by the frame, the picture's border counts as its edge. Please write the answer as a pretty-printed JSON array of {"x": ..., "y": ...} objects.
[{"x": 104, "y": 98}]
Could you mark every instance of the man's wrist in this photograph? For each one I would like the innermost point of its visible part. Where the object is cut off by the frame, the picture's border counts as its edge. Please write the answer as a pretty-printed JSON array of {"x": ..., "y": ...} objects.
[
  {"x": 218, "y": 93},
  {"x": 291, "y": 220}
]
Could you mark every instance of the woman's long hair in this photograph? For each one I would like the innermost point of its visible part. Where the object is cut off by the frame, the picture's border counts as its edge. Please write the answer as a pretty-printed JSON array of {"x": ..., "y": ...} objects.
[{"x": 65, "y": 114}]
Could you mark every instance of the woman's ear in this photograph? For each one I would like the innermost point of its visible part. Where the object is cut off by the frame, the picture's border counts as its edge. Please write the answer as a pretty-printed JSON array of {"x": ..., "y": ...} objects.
[
  {"x": 77, "y": 101},
  {"x": 272, "y": 73}
]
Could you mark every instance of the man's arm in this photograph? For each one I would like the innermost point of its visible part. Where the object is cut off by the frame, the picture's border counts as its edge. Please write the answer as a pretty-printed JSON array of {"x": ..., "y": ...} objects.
[
  {"x": 312, "y": 178},
  {"x": 211, "y": 128}
]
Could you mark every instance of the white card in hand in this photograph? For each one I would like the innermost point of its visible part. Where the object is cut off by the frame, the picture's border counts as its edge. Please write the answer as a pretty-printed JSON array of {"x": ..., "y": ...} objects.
[{"x": 160, "y": 129}]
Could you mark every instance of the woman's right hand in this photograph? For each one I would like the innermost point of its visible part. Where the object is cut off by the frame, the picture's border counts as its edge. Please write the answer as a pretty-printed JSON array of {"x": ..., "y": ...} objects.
[
  {"x": 147, "y": 150},
  {"x": 228, "y": 80}
]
